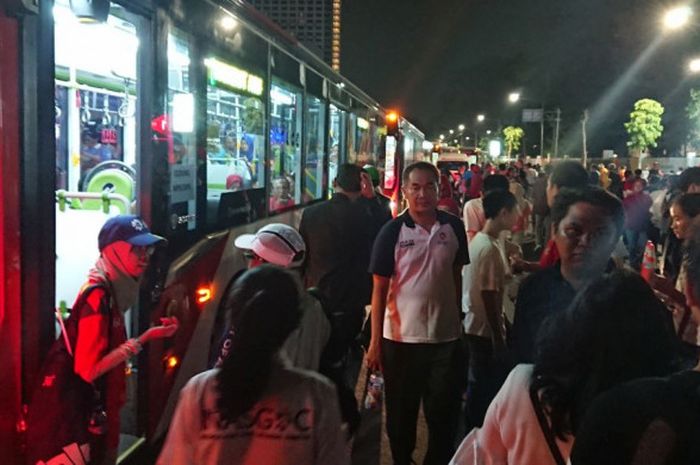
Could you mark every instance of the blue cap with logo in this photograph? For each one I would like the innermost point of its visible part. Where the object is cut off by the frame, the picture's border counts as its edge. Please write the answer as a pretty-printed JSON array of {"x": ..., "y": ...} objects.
[{"x": 128, "y": 228}]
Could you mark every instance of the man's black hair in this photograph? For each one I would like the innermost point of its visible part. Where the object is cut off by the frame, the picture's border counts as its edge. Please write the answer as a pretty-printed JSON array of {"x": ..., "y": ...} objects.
[
  {"x": 689, "y": 177},
  {"x": 423, "y": 166},
  {"x": 348, "y": 177},
  {"x": 495, "y": 182},
  {"x": 497, "y": 200},
  {"x": 569, "y": 174},
  {"x": 593, "y": 195}
]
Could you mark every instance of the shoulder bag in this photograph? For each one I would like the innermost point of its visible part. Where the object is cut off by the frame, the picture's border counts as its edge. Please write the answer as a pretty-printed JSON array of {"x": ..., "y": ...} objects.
[{"x": 545, "y": 426}]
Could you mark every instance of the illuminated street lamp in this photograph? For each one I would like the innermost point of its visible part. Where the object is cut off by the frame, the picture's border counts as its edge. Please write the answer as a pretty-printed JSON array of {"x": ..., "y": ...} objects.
[
  {"x": 442, "y": 136},
  {"x": 460, "y": 127},
  {"x": 514, "y": 97},
  {"x": 480, "y": 118},
  {"x": 694, "y": 65},
  {"x": 488, "y": 132},
  {"x": 452, "y": 131},
  {"x": 677, "y": 17}
]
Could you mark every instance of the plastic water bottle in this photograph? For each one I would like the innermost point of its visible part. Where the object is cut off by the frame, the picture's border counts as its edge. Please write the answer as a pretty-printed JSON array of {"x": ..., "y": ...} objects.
[{"x": 375, "y": 391}]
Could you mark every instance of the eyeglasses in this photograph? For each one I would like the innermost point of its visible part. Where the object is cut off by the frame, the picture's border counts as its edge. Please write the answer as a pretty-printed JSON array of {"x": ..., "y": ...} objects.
[{"x": 143, "y": 251}]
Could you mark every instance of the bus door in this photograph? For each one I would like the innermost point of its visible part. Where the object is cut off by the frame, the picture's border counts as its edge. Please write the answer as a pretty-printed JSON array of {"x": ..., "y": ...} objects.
[{"x": 98, "y": 140}]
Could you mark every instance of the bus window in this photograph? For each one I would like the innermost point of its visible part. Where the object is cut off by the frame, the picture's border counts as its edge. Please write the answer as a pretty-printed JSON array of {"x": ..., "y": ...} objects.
[
  {"x": 409, "y": 150},
  {"x": 61, "y": 128},
  {"x": 285, "y": 144},
  {"x": 375, "y": 132},
  {"x": 315, "y": 141},
  {"x": 336, "y": 144},
  {"x": 363, "y": 141},
  {"x": 351, "y": 134},
  {"x": 181, "y": 140},
  {"x": 235, "y": 132}
]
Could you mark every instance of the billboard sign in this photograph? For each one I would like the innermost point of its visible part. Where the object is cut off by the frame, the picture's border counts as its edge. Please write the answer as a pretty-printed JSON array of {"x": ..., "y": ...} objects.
[{"x": 533, "y": 115}]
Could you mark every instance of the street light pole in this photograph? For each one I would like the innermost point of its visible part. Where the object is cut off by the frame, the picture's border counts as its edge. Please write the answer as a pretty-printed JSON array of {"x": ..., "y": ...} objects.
[
  {"x": 542, "y": 131},
  {"x": 584, "y": 120},
  {"x": 556, "y": 134},
  {"x": 515, "y": 97}
]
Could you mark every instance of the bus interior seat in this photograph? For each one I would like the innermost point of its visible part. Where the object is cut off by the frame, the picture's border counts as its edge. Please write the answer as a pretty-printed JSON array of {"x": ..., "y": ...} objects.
[{"x": 116, "y": 181}]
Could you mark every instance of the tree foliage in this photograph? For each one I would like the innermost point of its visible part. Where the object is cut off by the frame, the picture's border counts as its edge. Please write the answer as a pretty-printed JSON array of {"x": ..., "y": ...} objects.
[
  {"x": 644, "y": 127},
  {"x": 513, "y": 135},
  {"x": 693, "y": 113},
  {"x": 483, "y": 144}
]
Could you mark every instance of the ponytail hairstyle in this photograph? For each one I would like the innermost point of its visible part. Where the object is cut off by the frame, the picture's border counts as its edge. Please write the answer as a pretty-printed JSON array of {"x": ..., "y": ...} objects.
[{"x": 263, "y": 309}]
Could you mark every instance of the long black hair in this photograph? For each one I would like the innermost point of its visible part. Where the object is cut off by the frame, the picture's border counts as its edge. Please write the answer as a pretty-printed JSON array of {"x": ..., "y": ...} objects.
[
  {"x": 615, "y": 330},
  {"x": 263, "y": 309},
  {"x": 689, "y": 203}
]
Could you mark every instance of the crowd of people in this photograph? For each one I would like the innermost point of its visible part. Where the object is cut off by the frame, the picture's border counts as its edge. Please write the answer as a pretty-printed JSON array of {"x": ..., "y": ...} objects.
[
  {"x": 596, "y": 364},
  {"x": 573, "y": 357}
]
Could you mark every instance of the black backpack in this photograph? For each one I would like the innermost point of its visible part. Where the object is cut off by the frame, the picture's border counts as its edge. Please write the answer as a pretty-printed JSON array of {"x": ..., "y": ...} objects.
[{"x": 63, "y": 403}]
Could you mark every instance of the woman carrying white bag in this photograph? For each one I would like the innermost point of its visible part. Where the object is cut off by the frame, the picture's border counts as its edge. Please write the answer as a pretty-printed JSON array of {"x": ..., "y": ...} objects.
[{"x": 615, "y": 330}]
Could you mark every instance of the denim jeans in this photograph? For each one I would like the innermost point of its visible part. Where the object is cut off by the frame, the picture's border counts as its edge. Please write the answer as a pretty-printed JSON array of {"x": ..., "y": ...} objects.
[{"x": 635, "y": 241}]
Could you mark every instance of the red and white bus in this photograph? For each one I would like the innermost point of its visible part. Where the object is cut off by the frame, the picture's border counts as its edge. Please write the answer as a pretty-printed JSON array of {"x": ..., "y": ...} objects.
[{"x": 199, "y": 116}]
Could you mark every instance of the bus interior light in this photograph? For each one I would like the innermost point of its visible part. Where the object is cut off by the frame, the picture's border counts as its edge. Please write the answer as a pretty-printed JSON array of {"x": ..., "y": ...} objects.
[
  {"x": 228, "y": 23},
  {"x": 90, "y": 11}
]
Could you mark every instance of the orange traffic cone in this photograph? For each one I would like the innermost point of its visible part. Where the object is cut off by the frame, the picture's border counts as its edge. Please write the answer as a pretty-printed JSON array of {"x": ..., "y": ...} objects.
[{"x": 648, "y": 262}]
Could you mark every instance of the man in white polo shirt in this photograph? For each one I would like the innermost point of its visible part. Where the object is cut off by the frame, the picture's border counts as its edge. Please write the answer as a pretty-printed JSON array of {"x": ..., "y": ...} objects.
[{"x": 416, "y": 304}]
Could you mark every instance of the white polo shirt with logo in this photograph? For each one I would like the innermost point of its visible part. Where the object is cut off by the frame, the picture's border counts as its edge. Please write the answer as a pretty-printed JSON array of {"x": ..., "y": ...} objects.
[{"x": 422, "y": 302}]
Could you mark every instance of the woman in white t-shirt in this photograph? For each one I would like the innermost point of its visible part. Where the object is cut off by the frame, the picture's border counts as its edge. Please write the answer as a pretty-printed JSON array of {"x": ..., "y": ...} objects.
[{"x": 256, "y": 408}]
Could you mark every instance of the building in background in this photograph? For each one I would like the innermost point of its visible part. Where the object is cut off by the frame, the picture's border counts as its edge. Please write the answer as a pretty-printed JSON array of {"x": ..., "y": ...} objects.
[{"x": 315, "y": 23}]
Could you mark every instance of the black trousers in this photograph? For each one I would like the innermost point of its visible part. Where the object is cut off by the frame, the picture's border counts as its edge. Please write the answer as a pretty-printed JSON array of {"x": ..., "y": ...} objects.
[
  {"x": 433, "y": 374},
  {"x": 486, "y": 376},
  {"x": 336, "y": 364}
]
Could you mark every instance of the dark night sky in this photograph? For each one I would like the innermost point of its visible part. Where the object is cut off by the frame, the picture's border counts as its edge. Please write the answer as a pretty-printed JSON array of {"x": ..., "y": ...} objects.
[{"x": 441, "y": 62}]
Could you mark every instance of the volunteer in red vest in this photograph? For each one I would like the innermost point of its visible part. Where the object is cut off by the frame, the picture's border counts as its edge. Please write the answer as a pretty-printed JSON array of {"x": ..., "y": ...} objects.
[{"x": 102, "y": 348}]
